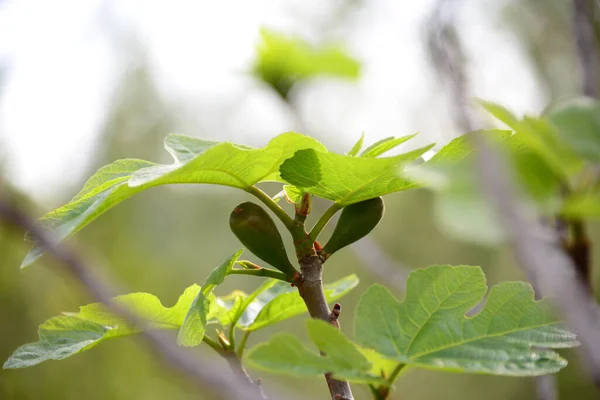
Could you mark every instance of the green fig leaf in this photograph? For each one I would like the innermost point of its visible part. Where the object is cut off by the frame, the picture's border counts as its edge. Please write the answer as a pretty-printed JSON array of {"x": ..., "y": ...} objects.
[
  {"x": 385, "y": 145},
  {"x": 357, "y": 146},
  {"x": 195, "y": 161},
  {"x": 285, "y": 354},
  {"x": 193, "y": 328},
  {"x": 105, "y": 189},
  {"x": 346, "y": 179},
  {"x": 430, "y": 328},
  {"x": 71, "y": 333}
]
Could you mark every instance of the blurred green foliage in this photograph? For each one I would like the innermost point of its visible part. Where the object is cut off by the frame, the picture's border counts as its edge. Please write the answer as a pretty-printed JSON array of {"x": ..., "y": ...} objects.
[{"x": 282, "y": 61}]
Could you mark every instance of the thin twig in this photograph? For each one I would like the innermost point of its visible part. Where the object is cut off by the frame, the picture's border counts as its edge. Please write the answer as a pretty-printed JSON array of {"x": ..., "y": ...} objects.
[
  {"x": 536, "y": 247},
  {"x": 207, "y": 375}
]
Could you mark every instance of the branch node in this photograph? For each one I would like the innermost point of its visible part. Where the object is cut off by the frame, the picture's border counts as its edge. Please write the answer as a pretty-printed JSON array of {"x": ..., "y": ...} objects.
[{"x": 334, "y": 315}]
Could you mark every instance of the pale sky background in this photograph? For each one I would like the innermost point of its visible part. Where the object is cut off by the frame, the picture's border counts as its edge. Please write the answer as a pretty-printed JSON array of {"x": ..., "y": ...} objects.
[{"x": 60, "y": 71}]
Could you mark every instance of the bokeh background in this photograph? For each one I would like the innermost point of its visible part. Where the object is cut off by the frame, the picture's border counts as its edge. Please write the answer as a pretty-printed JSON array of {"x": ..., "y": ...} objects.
[{"x": 83, "y": 83}]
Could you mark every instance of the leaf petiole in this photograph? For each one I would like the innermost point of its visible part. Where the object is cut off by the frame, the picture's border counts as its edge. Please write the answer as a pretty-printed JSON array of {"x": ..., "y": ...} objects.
[
  {"x": 265, "y": 272},
  {"x": 322, "y": 222},
  {"x": 242, "y": 345}
]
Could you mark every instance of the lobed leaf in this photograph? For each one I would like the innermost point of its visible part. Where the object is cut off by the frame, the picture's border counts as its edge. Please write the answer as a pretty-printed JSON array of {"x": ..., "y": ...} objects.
[
  {"x": 430, "y": 328},
  {"x": 104, "y": 190}
]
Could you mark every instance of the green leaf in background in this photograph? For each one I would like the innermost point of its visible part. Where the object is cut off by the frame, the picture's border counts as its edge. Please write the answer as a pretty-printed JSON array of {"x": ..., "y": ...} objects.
[
  {"x": 72, "y": 333},
  {"x": 285, "y": 354},
  {"x": 282, "y": 61},
  {"x": 347, "y": 179},
  {"x": 279, "y": 301},
  {"x": 540, "y": 137},
  {"x": 578, "y": 124},
  {"x": 357, "y": 146},
  {"x": 460, "y": 207},
  {"x": 193, "y": 328},
  {"x": 385, "y": 145},
  {"x": 430, "y": 329}
]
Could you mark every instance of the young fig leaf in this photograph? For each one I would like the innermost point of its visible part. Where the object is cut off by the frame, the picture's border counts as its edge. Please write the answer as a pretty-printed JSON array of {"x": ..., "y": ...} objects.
[
  {"x": 356, "y": 221},
  {"x": 257, "y": 231}
]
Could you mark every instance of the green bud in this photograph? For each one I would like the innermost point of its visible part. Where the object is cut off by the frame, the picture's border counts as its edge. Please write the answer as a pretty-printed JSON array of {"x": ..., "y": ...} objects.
[
  {"x": 356, "y": 221},
  {"x": 257, "y": 231}
]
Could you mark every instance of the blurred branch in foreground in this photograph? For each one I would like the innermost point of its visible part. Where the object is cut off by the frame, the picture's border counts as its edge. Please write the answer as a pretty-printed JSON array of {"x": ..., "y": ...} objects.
[
  {"x": 535, "y": 246},
  {"x": 207, "y": 375}
]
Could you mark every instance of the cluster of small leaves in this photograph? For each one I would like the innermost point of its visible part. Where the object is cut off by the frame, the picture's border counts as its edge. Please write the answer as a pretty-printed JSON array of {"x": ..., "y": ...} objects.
[
  {"x": 430, "y": 329},
  {"x": 196, "y": 312}
]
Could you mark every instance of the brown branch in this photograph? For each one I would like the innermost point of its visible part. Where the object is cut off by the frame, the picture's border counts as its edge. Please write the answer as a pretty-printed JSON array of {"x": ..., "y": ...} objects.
[
  {"x": 311, "y": 291},
  {"x": 536, "y": 247},
  {"x": 207, "y": 375}
]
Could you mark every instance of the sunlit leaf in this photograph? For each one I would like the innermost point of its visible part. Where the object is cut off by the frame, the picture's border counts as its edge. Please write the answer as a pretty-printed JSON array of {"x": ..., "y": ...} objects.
[
  {"x": 105, "y": 189},
  {"x": 347, "y": 179},
  {"x": 357, "y": 146},
  {"x": 72, "y": 333},
  {"x": 430, "y": 328},
  {"x": 385, "y": 145},
  {"x": 195, "y": 161},
  {"x": 193, "y": 328}
]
